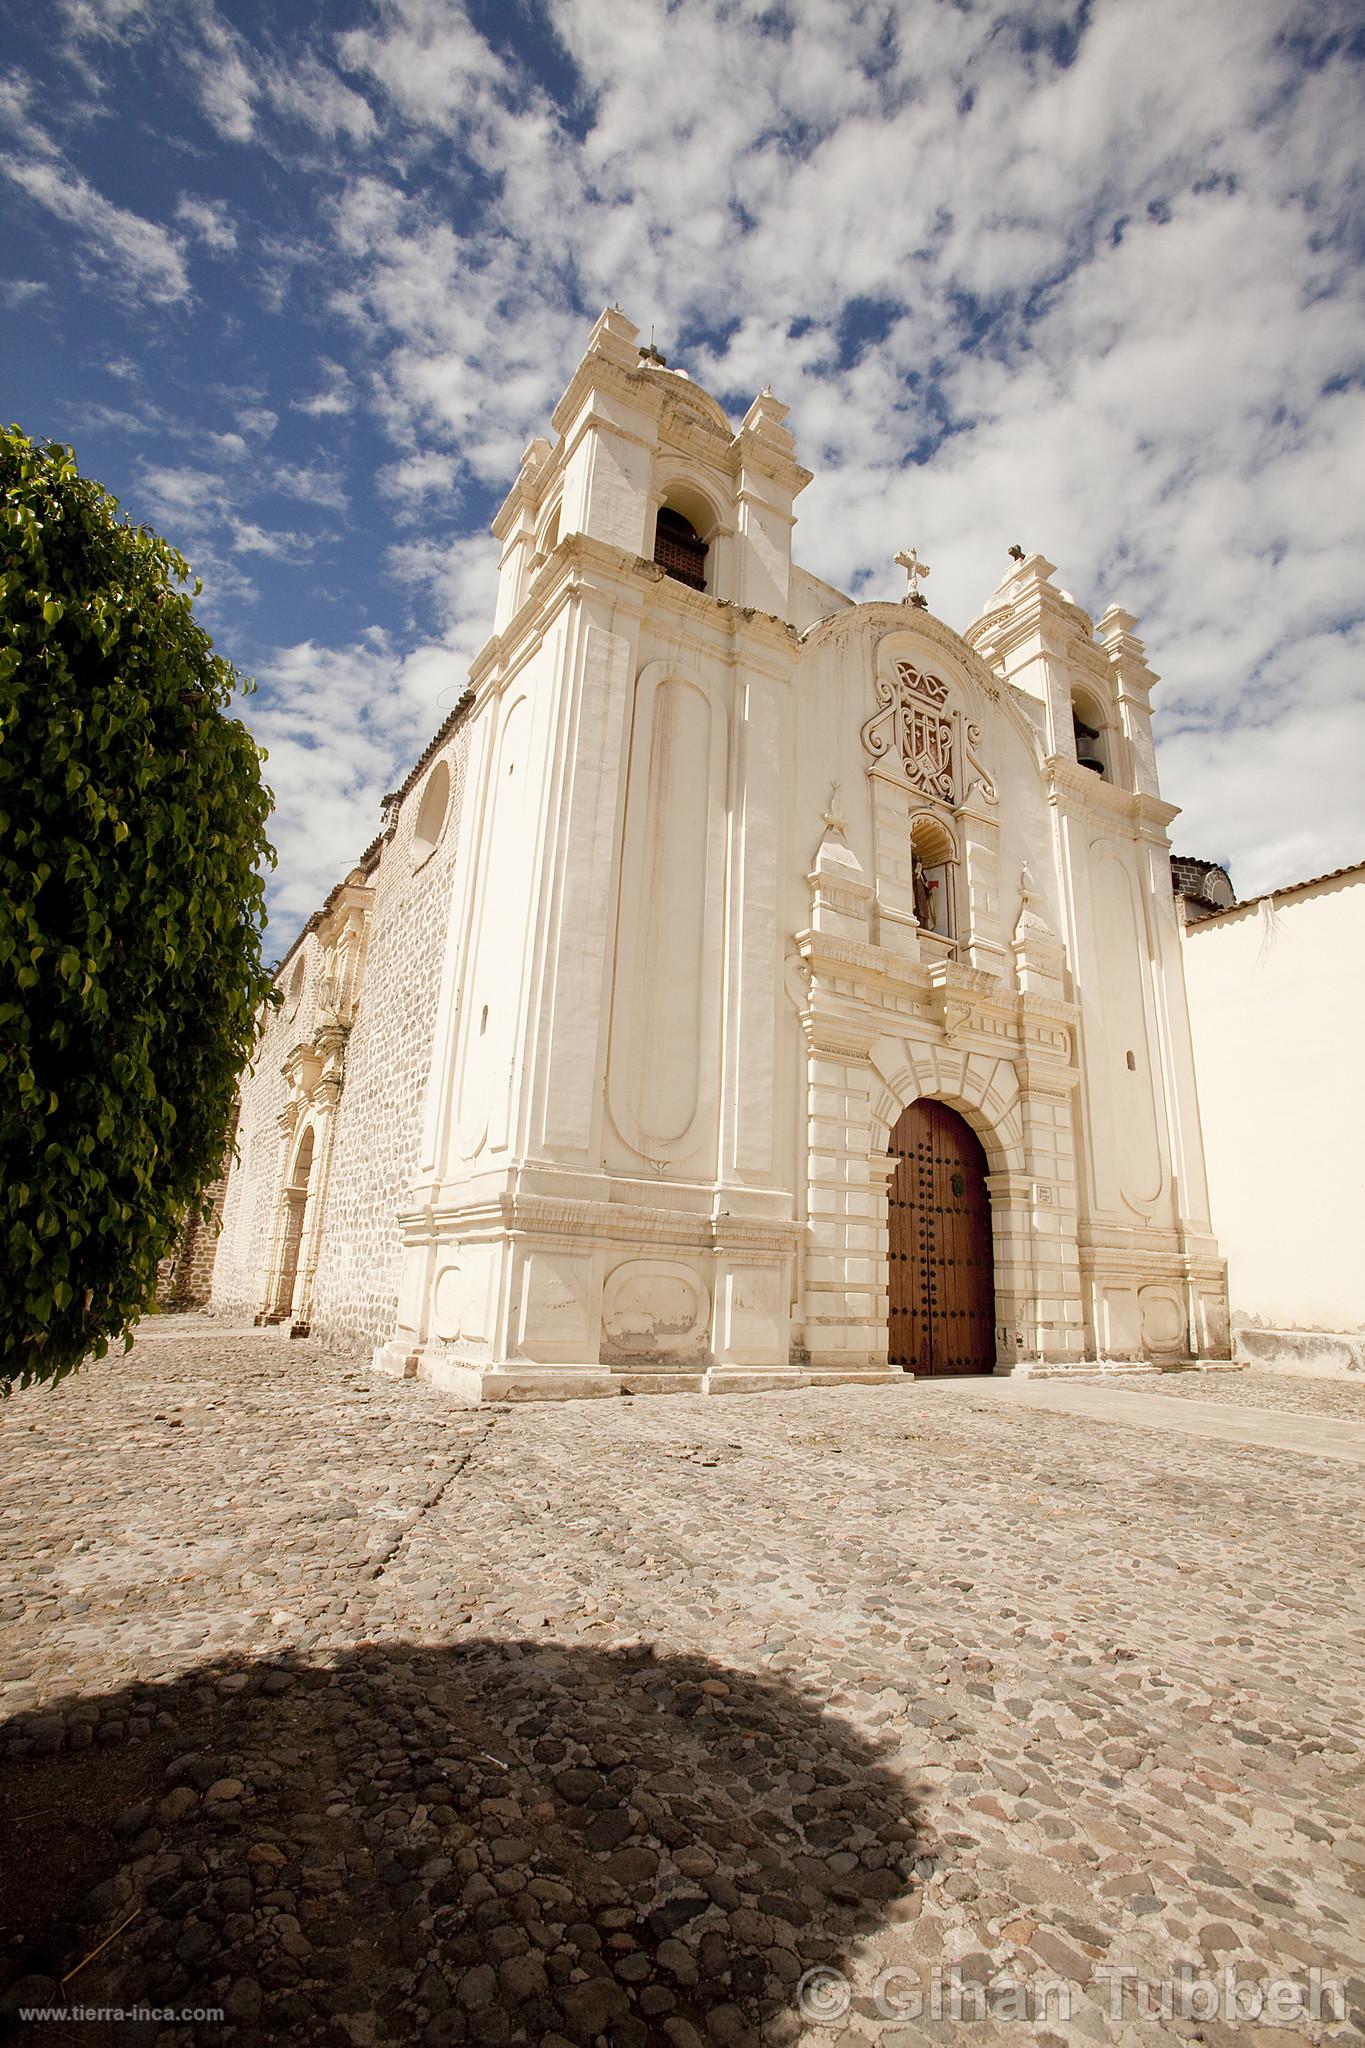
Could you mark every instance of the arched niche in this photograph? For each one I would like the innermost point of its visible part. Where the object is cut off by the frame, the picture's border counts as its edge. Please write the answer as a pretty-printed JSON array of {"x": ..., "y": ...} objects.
[
  {"x": 934, "y": 869},
  {"x": 547, "y": 533}
]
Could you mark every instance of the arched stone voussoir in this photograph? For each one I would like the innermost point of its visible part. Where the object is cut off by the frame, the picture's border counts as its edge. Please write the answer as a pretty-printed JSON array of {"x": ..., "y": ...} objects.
[{"x": 982, "y": 1089}]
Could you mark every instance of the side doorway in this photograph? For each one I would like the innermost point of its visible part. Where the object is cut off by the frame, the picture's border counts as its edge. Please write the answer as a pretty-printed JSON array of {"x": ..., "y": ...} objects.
[
  {"x": 293, "y": 1211},
  {"x": 941, "y": 1272}
]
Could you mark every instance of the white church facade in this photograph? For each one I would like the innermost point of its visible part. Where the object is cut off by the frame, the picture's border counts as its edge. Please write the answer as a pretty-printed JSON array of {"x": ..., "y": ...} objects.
[{"x": 748, "y": 988}]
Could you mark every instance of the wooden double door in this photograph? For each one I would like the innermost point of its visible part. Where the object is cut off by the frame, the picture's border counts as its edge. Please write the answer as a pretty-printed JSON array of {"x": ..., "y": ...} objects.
[{"x": 942, "y": 1279}]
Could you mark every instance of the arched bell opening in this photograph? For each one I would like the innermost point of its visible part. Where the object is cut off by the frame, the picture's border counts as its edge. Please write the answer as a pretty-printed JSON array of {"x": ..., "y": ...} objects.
[
  {"x": 679, "y": 549},
  {"x": 1090, "y": 729},
  {"x": 941, "y": 1267},
  {"x": 688, "y": 529}
]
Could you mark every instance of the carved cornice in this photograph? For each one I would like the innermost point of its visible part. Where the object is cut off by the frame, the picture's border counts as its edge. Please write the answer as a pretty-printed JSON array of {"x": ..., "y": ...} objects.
[
  {"x": 873, "y": 983},
  {"x": 577, "y": 1221},
  {"x": 1081, "y": 789},
  {"x": 882, "y": 618},
  {"x": 852, "y": 898},
  {"x": 1047, "y": 1074},
  {"x": 841, "y": 1031},
  {"x": 736, "y": 620}
]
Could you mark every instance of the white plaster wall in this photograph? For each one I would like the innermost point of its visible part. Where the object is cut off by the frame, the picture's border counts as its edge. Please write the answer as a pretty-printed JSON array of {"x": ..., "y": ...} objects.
[
  {"x": 1127, "y": 1119},
  {"x": 1277, "y": 993}
]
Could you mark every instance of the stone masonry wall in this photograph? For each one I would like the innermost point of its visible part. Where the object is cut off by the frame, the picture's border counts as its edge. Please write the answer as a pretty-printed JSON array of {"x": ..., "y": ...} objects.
[
  {"x": 185, "y": 1279},
  {"x": 355, "y": 1299}
]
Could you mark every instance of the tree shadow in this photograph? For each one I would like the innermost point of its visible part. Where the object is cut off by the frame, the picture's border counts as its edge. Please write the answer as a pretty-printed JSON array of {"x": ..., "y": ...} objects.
[{"x": 490, "y": 1842}]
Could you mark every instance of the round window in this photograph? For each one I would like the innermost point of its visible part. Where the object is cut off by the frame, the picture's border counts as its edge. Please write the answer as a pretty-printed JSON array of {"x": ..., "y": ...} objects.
[{"x": 431, "y": 813}]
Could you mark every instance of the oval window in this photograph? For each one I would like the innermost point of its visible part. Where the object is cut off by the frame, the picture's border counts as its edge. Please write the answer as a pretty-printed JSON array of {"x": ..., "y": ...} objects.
[{"x": 431, "y": 813}]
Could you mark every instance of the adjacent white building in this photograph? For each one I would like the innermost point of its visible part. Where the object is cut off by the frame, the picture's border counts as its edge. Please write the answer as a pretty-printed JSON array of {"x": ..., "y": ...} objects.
[
  {"x": 1277, "y": 993},
  {"x": 748, "y": 987}
]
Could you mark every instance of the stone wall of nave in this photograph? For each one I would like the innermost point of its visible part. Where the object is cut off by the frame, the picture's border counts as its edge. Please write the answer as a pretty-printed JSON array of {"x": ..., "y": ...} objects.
[
  {"x": 388, "y": 1059},
  {"x": 251, "y": 1202}
]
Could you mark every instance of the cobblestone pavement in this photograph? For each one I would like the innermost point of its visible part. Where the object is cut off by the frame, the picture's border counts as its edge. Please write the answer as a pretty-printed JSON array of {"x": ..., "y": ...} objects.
[
  {"x": 369, "y": 1720},
  {"x": 1292, "y": 1393}
]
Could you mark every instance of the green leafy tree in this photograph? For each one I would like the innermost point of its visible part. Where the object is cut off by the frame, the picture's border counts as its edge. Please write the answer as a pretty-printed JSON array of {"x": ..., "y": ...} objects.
[{"x": 132, "y": 845}]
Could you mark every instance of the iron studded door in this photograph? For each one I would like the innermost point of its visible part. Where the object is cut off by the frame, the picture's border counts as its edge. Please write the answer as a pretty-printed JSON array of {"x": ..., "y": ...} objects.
[{"x": 942, "y": 1287}]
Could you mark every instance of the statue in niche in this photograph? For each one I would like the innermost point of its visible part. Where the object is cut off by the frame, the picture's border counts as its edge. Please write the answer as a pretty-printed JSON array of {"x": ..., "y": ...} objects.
[{"x": 926, "y": 894}]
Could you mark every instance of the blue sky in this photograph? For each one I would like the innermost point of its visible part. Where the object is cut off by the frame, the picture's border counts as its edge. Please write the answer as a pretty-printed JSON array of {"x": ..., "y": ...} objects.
[{"x": 299, "y": 282}]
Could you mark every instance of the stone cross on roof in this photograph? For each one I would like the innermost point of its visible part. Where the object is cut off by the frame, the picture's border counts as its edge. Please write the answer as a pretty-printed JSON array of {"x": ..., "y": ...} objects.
[{"x": 914, "y": 568}]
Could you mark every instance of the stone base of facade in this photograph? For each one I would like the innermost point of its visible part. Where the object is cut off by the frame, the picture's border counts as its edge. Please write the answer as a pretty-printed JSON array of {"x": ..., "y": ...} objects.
[
  {"x": 1112, "y": 1368},
  {"x": 472, "y": 1384}
]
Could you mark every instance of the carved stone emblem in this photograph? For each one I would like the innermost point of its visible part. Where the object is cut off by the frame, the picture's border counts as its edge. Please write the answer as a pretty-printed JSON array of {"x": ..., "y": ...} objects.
[{"x": 911, "y": 722}]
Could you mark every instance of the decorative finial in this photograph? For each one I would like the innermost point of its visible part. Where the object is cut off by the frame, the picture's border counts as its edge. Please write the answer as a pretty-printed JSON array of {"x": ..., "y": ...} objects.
[
  {"x": 915, "y": 569},
  {"x": 1016, "y": 553},
  {"x": 834, "y": 819}
]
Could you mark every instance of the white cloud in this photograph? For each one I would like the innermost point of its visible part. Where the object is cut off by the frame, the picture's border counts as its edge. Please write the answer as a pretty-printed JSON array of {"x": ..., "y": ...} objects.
[
  {"x": 334, "y": 399},
  {"x": 340, "y": 726},
  {"x": 182, "y": 493},
  {"x": 220, "y": 65},
  {"x": 429, "y": 57},
  {"x": 343, "y": 725},
  {"x": 104, "y": 20},
  {"x": 238, "y": 84},
  {"x": 310, "y": 92},
  {"x": 459, "y": 578},
  {"x": 275, "y": 544},
  {"x": 136, "y": 257},
  {"x": 432, "y": 473},
  {"x": 314, "y": 483},
  {"x": 21, "y": 291},
  {"x": 210, "y": 220}
]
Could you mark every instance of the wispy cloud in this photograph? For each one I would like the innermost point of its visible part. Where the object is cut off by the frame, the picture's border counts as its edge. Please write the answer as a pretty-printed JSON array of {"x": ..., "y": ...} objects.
[
  {"x": 22, "y": 291},
  {"x": 135, "y": 257},
  {"x": 275, "y": 545},
  {"x": 314, "y": 483},
  {"x": 432, "y": 473},
  {"x": 340, "y": 725},
  {"x": 334, "y": 399},
  {"x": 210, "y": 221},
  {"x": 238, "y": 85}
]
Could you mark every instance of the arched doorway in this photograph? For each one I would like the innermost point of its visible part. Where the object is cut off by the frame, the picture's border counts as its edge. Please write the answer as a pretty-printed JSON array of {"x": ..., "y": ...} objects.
[
  {"x": 295, "y": 1208},
  {"x": 942, "y": 1281}
]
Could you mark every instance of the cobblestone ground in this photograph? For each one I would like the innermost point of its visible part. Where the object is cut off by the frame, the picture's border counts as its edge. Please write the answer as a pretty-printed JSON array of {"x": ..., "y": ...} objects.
[
  {"x": 1288, "y": 1392},
  {"x": 368, "y": 1720}
]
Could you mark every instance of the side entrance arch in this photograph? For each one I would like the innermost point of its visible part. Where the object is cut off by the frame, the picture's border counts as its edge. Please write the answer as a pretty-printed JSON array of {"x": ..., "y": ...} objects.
[
  {"x": 293, "y": 1210},
  {"x": 941, "y": 1278}
]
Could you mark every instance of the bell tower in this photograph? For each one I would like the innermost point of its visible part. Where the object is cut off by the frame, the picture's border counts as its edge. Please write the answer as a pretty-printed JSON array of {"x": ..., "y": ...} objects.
[{"x": 598, "y": 1178}]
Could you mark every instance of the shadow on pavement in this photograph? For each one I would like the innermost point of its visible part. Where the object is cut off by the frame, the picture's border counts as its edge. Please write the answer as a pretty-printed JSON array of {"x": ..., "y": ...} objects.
[{"x": 495, "y": 1842}]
